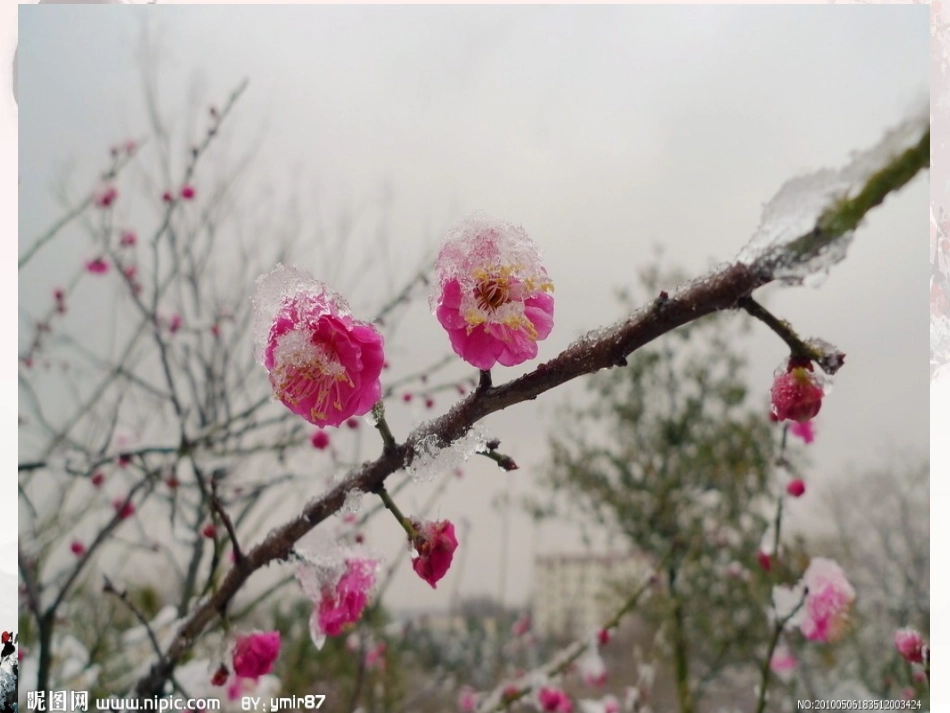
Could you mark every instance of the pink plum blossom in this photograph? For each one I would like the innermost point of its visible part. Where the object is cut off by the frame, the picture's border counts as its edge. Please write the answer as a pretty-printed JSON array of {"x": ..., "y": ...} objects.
[
  {"x": 796, "y": 488},
  {"x": 492, "y": 293},
  {"x": 375, "y": 657},
  {"x": 804, "y": 430},
  {"x": 782, "y": 663},
  {"x": 910, "y": 644},
  {"x": 796, "y": 394},
  {"x": 255, "y": 654},
  {"x": 105, "y": 196},
  {"x": 123, "y": 509},
  {"x": 99, "y": 266},
  {"x": 522, "y": 626},
  {"x": 467, "y": 700},
  {"x": 220, "y": 676},
  {"x": 344, "y": 603},
  {"x": 435, "y": 544},
  {"x": 324, "y": 365},
  {"x": 555, "y": 700},
  {"x": 828, "y": 600}
]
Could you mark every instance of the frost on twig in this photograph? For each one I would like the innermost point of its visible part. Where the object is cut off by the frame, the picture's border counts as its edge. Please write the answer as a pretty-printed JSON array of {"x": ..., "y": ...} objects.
[{"x": 807, "y": 227}]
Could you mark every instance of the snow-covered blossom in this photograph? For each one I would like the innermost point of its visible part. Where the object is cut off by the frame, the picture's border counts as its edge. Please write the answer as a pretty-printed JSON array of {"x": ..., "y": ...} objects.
[
  {"x": 344, "y": 602},
  {"x": 827, "y": 602},
  {"x": 492, "y": 293},
  {"x": 255, "y": 654},
  {"x": 796, "y": 393},
  {"x": 910, "y": 644},
  {"x": 819, "y": 603},
  {"x": 591, "y": 667},
  {"x": 783, "y": 663},
  {"x": 323, "y": 364}
]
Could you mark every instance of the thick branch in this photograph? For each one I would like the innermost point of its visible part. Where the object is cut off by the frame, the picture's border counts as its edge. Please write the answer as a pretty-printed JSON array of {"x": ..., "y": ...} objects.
[{"x": 721, "y": 290}]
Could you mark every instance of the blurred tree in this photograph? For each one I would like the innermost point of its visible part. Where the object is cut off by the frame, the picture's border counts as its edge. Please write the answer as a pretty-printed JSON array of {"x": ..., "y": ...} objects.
[{"x": 670, "y": 455}]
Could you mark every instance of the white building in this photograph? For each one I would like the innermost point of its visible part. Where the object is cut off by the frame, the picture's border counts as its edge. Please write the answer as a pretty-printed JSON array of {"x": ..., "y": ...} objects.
[{"x": 575, "y": 594}]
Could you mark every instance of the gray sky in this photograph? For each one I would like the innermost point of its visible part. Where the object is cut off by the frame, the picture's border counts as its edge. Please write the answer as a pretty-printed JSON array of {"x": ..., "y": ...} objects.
[{"x": 602, "y": 130}]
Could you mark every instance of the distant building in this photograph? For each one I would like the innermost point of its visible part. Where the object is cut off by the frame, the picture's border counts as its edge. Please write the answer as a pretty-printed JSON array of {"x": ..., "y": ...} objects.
[{"x": 575, "y": 594}]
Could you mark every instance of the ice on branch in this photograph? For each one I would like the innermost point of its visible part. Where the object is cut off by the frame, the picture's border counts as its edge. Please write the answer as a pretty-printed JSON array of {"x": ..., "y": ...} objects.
[
  {"x": 324, "y": 365},
  {"x": 492, "y": 293},
  {"x": 433, "y": 457},
  {"x": 784, "y": 241}
]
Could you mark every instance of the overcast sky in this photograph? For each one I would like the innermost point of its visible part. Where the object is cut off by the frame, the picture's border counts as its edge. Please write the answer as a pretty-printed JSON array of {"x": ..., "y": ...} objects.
[{"x": 602, "y": 130}]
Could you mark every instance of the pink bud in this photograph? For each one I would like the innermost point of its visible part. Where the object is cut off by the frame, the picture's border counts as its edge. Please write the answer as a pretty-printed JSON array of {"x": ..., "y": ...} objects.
[
  {"x": 436, "y": 544},
  {"x": 97, "y": 267},
  {"x": 796, "y": 488},
  {"x": 220, "y": 676},
  {"x": 97, "y": 478},
  {"x": 77, "y": 548},
  {"x": 128, "y": 239},
  {"x": 603, "y": 636},
  {"x": 765, "y": 561},
  {"x": 430, "y": 402},
  {"x": 320, "y": 440},
  {"x": 407, "y": 397},
  {"x": 105, "y": 196},
  {"x": 353, "y": 423},
  {"x": 910, "y": 644},
  {"x": 174, "y": 323},
  {"x": 123, "y": 509},
  {"x": 187, "y": 192},
  {"x": 255, "y": 654},
  {"x": 209, "y": 531},
  {"x": 796, "y": 394},
  {"x": 167, "y": 197}
]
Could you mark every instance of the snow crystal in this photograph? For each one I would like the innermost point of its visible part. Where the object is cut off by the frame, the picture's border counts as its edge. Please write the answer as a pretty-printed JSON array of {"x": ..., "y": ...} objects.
[
  {"x": 432, "y": 457},
  {"x": 351, "y": 503},
  {"x": 801, "y": 201},
  {"x": 277, "y": 287}
]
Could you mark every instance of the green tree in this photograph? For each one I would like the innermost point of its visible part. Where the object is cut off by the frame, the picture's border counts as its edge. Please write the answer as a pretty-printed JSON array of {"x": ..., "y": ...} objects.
[{"x": 671, "y": 454}]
